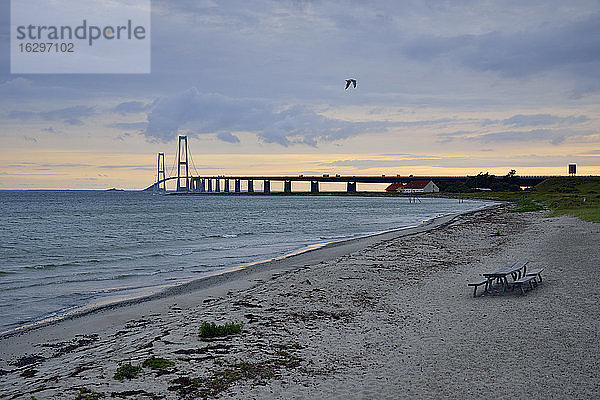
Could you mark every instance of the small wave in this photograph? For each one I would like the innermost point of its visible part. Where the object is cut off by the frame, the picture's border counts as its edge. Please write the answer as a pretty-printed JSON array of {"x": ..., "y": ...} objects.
[
  {"x": 172, "y": 253},
  {"x": 50, "y": 266},
  {"x": 61, "y": 265},
  {"x": 125, "y": 276}
]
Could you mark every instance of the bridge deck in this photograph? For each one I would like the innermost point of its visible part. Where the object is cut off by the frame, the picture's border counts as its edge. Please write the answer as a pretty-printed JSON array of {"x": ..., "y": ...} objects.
[{"x": 521, "y": 180}]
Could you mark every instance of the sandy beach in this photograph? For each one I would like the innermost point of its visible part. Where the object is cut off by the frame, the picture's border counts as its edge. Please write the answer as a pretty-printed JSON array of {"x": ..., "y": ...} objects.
[{"x": 387, "y": 316}]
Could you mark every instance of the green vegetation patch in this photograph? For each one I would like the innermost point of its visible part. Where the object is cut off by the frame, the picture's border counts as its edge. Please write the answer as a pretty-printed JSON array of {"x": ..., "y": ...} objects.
[
  {"x": 527, "y": 205},
  {"x": 570, "y": 184},
  {"x": 127, "y": 371},
  {"x": 578, "y": 196},
  {"x": 591, "y": 214},
  {"x": 157, "y": 363},
  {"x": 87, "y": 394},
  {"x": 221, "y": 380},
  {"x": 211, "y": 330}
]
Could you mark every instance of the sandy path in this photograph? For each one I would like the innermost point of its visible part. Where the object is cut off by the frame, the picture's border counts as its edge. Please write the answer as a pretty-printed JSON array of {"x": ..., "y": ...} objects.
[{"x": 372, "y": 319}]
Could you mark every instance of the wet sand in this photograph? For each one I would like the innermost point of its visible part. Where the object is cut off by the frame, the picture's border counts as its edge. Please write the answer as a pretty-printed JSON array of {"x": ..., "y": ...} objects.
[{"x": 388, "y": 316}]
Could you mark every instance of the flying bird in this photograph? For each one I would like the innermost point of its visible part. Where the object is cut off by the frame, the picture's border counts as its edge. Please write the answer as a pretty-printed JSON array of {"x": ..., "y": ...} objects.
[{"x": 350, "y": 81}]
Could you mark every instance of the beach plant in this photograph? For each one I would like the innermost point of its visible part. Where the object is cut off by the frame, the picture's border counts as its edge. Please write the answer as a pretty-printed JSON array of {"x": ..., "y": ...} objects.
[
  {"x": 211, "y": 330},
  {"x": 527, "y": 205},
  {"x": 87, "y": 394},
  {"x": 498, "y": 233},
  {"x": 127, "y": 371},
  {"x": 157, "y": 363},
  {"x": 227, "y": 374}
]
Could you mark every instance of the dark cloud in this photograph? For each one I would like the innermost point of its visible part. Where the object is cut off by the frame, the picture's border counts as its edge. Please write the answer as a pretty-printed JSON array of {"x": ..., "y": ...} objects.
[
  {"x": 22, "y": 115},
  {"x": 137, "y": 126},
  {"x": 69, "y": 115},
  {"x": 73, "y": 121},
  {"x": 573, "y": 46},
  {"x": 554, "y": 136},
  {"x": 131, "y": 107},
  {"x": 198, "y": 113},
  {"x": 228, "y": 137},
  {"x": 521, "y": 120},
  {"x": 15, "y": 89}
]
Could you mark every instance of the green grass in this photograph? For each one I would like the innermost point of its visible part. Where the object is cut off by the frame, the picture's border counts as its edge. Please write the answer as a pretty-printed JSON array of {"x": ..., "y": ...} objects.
[
  {"x": 211, "y": 330},
  {"x": 527, "y": 205},
  {"x": 157, "y": 363},
  {"x": 564, "y": 195},
  {"x": 127, "y": 371},
  {"x": 586, "y": 214},
  {"x": 570, "y": 184}
]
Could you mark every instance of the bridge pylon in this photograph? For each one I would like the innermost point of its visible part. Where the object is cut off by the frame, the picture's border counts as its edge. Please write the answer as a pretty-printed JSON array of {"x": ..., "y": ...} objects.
[
  {"x": 161, "y": 184},
  {"x": 182, "y": 163}
]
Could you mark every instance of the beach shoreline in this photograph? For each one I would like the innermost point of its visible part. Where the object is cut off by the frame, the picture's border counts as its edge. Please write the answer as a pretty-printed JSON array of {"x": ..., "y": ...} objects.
[
  {"x": 382, "y": 317},
  {"x": 207, "y": 279}
]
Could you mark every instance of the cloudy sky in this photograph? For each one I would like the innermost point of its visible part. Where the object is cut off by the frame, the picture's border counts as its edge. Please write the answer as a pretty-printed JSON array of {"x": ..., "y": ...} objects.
[{"x": 444, "y": 88}]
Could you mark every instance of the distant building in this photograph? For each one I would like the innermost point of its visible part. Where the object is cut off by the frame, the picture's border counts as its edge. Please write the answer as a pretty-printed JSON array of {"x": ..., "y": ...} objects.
[
  {"x": 420, "y": 187},
  {"x": 394, "y": 187}
]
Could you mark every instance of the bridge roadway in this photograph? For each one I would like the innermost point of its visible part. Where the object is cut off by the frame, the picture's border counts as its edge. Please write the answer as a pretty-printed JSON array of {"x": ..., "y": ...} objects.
[{"x": 212, "y": 184}]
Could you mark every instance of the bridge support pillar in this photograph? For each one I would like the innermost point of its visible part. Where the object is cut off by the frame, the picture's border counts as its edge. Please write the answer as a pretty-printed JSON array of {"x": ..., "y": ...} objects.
[
  {"x": 182, "y": 163},
  {"x": 314, "y": 186},
  {"x": 161, "y": 184},
  {"x": 226, "y": 185},
  {"x": 351, "y": 187},
  {"x": 209, "y": 181},
  {"x": 237, "y": 186},
  {"x": 217, "y": 185},
  {"x": 250, "y": 186},
  {"x": 267, "y": 186},
  {"x": 203, "y": 185},
  {"x": 287, "y": 186}
]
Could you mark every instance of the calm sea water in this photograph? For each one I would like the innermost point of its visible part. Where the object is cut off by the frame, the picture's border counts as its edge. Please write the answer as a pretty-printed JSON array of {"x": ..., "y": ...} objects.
[{"x": 61, "y": 250}]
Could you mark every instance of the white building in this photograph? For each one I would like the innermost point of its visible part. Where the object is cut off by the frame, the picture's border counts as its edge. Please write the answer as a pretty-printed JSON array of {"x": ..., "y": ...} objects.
[{"x": 420, "y": 187}]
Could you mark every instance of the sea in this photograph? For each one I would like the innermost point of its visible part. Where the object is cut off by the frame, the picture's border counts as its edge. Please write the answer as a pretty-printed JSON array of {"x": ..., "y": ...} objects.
[{"x": 66, "y": 251}]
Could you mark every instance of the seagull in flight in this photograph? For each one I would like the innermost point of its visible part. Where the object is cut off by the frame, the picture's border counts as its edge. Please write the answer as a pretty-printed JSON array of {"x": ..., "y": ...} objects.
[{"x": 350, "y": 81}]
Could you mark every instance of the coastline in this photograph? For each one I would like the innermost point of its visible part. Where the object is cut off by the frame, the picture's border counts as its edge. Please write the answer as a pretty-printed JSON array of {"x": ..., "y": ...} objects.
[
  {"x": 389, "y": 318},
  {"x": 214, "y": 277}
]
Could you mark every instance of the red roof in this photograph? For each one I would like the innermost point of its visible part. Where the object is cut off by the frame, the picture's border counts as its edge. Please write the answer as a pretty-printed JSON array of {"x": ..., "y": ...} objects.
[
  {"x": 416, "y": 185},
  {"x": 393, "y": 187}
]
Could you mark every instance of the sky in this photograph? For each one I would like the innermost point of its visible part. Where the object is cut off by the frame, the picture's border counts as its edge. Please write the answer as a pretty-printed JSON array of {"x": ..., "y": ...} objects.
[{"x": 443, "y": 88}]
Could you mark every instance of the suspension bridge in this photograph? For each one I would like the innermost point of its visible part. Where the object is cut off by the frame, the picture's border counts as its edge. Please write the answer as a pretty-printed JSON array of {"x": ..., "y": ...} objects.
[{"x": 186, "y": 182}]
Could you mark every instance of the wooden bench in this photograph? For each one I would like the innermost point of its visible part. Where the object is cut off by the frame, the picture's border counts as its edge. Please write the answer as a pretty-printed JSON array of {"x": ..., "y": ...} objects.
[
  {"x": 529, "y": 279},
  {"x": 536, "y": 272},
  {"x": 477, "y": 284},
  {"x": 521, "y": 268}
]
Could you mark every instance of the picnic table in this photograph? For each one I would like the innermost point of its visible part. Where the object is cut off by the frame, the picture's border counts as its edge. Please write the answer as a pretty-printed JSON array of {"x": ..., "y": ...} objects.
[{"x": 515, "y": 269}]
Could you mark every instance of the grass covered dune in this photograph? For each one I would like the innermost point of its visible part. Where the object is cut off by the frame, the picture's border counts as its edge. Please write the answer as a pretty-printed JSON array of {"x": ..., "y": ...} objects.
[
  {"x": 578, "y": 196},
  {"x": 388, "y": 316}
]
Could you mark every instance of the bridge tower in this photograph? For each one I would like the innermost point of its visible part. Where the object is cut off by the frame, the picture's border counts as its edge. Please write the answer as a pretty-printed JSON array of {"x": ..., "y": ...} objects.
[
  {"x": 182, "y": 162},
  {"x": 161, "y": 173}
]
